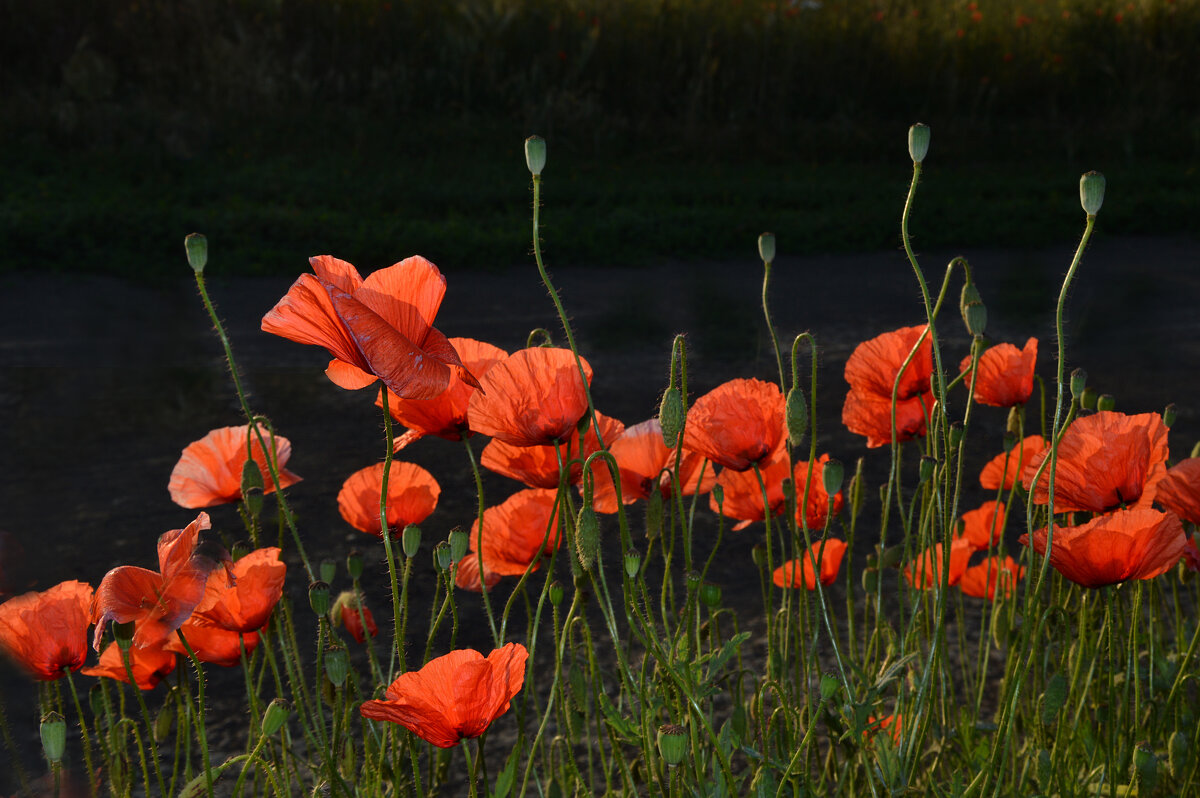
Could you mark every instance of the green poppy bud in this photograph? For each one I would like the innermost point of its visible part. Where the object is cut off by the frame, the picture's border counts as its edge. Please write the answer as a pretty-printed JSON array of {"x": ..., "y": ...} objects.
[
  {"x": 759, "y": 554},
  {"x": 766, "y": 247},
  {"x": 535, "y": 154},
  {"x": 164, "y": 721},
  {"x": 795, "y": 416},
  {"x": 123, "y": 634},
  {"x": 318, "y": 597},
  {"x": 1177, "y": 750},
  {"x": 587, "y": 536},
  {"x": 870, "y": 580},
  {"x": 956, "y": 434},
  {"x": 239, "y": 550},
  {"x": 1078, "y": 383},
  {"x": 1168, "y": 415},
  {"x": 710, "y": 595},
  {"x": 1145, "y": 767},
  {"x": 918, "y": 142},
  {"x": 1106, "y": 401},
  {"x": 831, "y": 476},
  {"x": 633, "y": 563},
  {"x": 1087, "y": 400},
  {"x": 672, "y": 744},
  {"x": 337, "y": 664},
  {"x": 718, "y": 495},
  {"x": 354, "y": 563},
  {"x": 252, "y": 488},
  {"x": 671, "y": 415},
  {"x": 974, "y": 313},
  {"x": 96, "y": 699},
  {"x": 654, "y": 515},
  {"x": 276, "y": 715},
  {"x": 196, "y": 247},
  {"x": 441, "y": 556},
  {"x": 830, "y": 686},
  {"x": 556, "y": 592},
  {"x": 925, "y": 472},
  {"x": 458, "y": 543},
  {"x": 54, "y": 736},
  {"x": 410, "y": 540},
  {"x": 328, "y": 570},
  {"x": 1091, "y": 192}
]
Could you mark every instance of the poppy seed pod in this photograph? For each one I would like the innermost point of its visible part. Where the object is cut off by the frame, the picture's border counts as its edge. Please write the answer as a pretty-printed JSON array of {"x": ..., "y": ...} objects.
[
  {"x": 354, "y": 563},
  {"x": 535, "y": 154},
  {"x": 672, "y": 743},
  {"x": 196, "y": 247},
  {"x": 633, "y": 563},
  {"x": 328, "y": 570},
  {"x": 671, "y": 414},
  {"x": 410, "y": 540},
  {"x": 1091, "y": 192},
  {"x": 918, "y": 142},
  {"x": 441, "y": 556},
  {"x": 54, "y": 736},
  {"x": 337, "y": 665},
  {"x": 831, "y": 476},
  {"x": 555, "y": 592},
  {"x": 318, "y": 597},
  {"x": 766, "y": 247},
  {"x": 1078, "y": 383},
  {"x": 795, "y": 416},
  {"x": 587, "y": 536},
  {"x": 1106, "y": 401},
  {"x": 829, "y": 686},
  {"x": 458, "y": 543},
  {"x": 710, "y": 595}
]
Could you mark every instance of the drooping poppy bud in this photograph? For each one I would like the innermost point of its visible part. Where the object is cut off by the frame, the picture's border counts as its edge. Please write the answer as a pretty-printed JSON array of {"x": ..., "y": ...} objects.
[
  {"x": 671, "y": 414},
  {"x": 276, "y": 715},
  {"x": 337, "y": 665},
  {"x": 587, "y": 536},
  {"x": 795, "y": 416}
]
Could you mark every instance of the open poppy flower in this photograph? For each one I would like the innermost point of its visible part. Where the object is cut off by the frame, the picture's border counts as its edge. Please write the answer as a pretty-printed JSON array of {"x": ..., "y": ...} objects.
[
  {"x": 245, "y": 605},
  {"x": 209, "y": 471},
  {"x": 892, "y": 724},
  {"x": 743, "y": 496},
  {"x": 1191, "y": 553},
  {"x": 1105, "y": 460},
  {"x": 412, "y": 495},
  {"x": 537, "y": 466},
  {"x": 870, "y": 415},
  {"x": 377, "y": 328},
  {"x": 1004, "y": 376},
  {"x": 737, "y": 424},
  {"x": 533, "y": 397},
  {"x": 981, "y": 580},
  {"x": 210, "y": 643},
  {"x": 1179, "y": 491},
  {"x": 873, "y": 365},
  {"x": 46, "y": 632},
  {"x": 1006, "y": 469},
  {"x": 929, "y": 566},
  {"x": 644, "y": 463},
  {"x": 149, "y": 663},
  {"x": 158, "y": 602},
  {"x": 466, "y": 574},
  {"x": 828, "y": 554},
  {"x": 445, "y": 415},
  {"x": 516, "y": 532},
  {"x": 1126, "y": 544},
  {"x": 984, "y": 526},
  {"x": 345, "y": 612},
  {"x": 455, "y": 696}
]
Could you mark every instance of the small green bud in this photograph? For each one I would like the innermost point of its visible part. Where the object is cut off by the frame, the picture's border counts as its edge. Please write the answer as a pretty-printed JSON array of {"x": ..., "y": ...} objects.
[
  {"x": 918, "y": 142},
  {"x": 458, "y": 543},
  {"x": 1078, "y": 383},
  {"x": 337, "y": 664},
  {"x": 1106, "y": 401},
  {"x": 1177, "y": 749},
  {"x": 870, "y": 580},
  {"x": 328, "y": 570},
  {"x": 759, "y": 554},
  {"x": 693, "y": 582},
  {"x": 956, "y": 434},
  {"x": 766, "y": 247},
  {"x": 276, "y": 715},
  {"x": 1145, "y": 767},
  {"x": 196, "y": 247},
  {"x": 535, "y": 154},
  {"x": 830, "y": 686},
  {"x": 795, "y": 416},
  {"x": 348, "y": 757},
  {"x": 252, "y": 488},
  {"x": 1091, "y": 192},
  {"x": 832, "y": 475},
  {"x": 318, "y": 597},
  {"x": 1168, "y": 415},
  {"x": 654, "y": 515},
  {"x": 354, "y": 563},
  {"x": 1088, "y": 400},
  {"x": 164, "y": 721},
  {"x": 974, "y": 312},
  {"x": 718, "y": 495},
  {"x": 123, "y": 634},
  {"x": 441, "y": 556},
  {"x": 671, "y": 415},
  {"x": 672, "y": 744},
  {"x": 633, "y": 563},
  {"x": 410, "y": 540},
  {"x": 587, "y": 536},
  {"x": 710, "y": 595},
  {"x": 925, "y": 472},
  {"x": 1012, "y": 426},
  {"x": 54, "y": 736},
  {"x": 556, "y": 592}
]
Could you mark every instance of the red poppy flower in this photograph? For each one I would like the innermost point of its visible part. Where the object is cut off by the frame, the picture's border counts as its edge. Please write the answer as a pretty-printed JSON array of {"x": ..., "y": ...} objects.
[
  {"x": 870, "y": 415},
  {"x": 828, "y": 554},
  {"x": 445, "y": 415},
  {"x": 1127, "y": 544},
  {"x": 412, "y": 496},
  {"x": 928, "y": 568},
  {"x": 534, "y": 397},
  {"x": 245, "y": 605},
  {"x": 892, "y": 724},
  {"x": 874, "y": 364},
  {"x": 981, "y": 580},
  {"x": 537, "y": 466},
  {"x": 209, "y": 471},
  {"x": 1179, "y": 491},
  {"x": 46, "y": 632},
  {"x": 737, "y": 424},
  {"x": 743, "y": 496},
  {"x": 466, "y": 574},
  {"x": 380, "y": 327},
  {"x": 158, "y": 602},
  {"x": 455, "y": 696},
  {"x": 1191, "y": 553},
  {"x": 517, "y": 532},
  {"x": 149, "y": 663},
  {"x": 345, "y": 611},
  {"x": 1005, "y": 374},
  {"x": 644, "y": 462},
  {"x": 1006, "y": 468},
  {"x": 211, "y": 643},
  {"x": 1105, "y": 460},
  {"x": 984, "y": 526}
]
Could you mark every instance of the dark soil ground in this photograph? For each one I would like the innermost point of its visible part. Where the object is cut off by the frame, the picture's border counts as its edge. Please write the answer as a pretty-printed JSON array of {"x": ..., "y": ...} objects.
[{"x": 103, "y": 382}]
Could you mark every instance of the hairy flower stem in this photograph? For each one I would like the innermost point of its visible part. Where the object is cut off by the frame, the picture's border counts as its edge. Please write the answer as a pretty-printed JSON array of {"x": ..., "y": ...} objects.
[
  {"x": 479, "y": 510},
  {"x": 201, "y": 730},
  {"x": 137, "y": 692},
  {"x": 93, "y": 776},
  {"x": 386, "y": 534}
]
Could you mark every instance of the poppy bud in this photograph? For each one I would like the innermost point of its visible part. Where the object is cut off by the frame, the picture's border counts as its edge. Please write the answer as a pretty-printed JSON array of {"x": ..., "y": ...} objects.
[
  {"x": 354, "y": 563},
  {"x": 535, "y": 154},
  {"x": 1145, "y": 767},
  {"x": 54, "y": 736},
  {"x": 718, "y": 495},
  {"x": 956, "y": 434},
  {"x": 1106, "y": 401},
  {"x": 766, "y": 247},
  {"x": 832, "y": 476},
  {"x": 587, "y": 536},
  {"x": 671, "y": 414},
  {"x": 410, "y": 540},
  {"x": 337, "y": 664},
  {"x": 1177, "y": 748},
  {"x": 318, "y": 597},
  {"x": 1091, "y": 192},
  {"x": 759, "y": 554},
  {"x": 164, "y": 720},
  {"x": 96, "y": 699},
  {"x": 693, "y": 581},
  {"x": 870, "y": 580},
  {"x": 925, "y": 473},
  {"x": 672, "y": 743},
  {"x": 654, "y": 515},
  {"x": 1053, "y": 698},
  {"x": 974, "y": 312},
  {"x": 891, "y": 557},
  {"x": 252, "y": 488},
  {"x": 275, "y": 716},
  {"x": 633, "y": 563},
  {"x": 1088, "y": 400},
  {"x": 710, "y": 594},
  {"x": 1168, "y": 415},
  {"x": 556, "y": 592},
  {"x": 441, "y": 556},
  {"x": 123, "y": 634},
  {"x": 458, "y": 543},
  {"x": 795, "y": 416},
  {"x": 788, "y": 487},
  {"x": 328, "y": 570},
  {"x": 196, "y": 247},
  {"x": 1078, "y": 383},
  {"x": 829, "y": 686},
  {"x": 348, "y": 757},
  {"x": 918, "y": 142}
]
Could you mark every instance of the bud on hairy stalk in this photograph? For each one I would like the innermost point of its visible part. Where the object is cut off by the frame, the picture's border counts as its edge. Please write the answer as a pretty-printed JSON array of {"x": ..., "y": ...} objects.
[
  {"x": 925, "y": 473},
  {"x": 830, "y": 686},
  {"x": 587, "y": 536},
  {"x": 1088, "y": 400},
  {"x": 276, "y": 715},
  {"x": 535, "y": 154},
  {"x": 252, "y": 488},
  {"x": 1168, "y": 415},
  {"x": 672, "y": 744},
  {"x": 555, "y": 593},
  {"x": 710, "y": 595},
  {"x": 441, "y": 556},
  {"x": 1054, "y": 697},
  {"x": 337, "y": 665},
  {"x": 196, "y": 247},
  {"x": 633, "y": 563},
  {"x": 759, "y": 554},
  {"x": 974, "y": 313},
  {"x": 318, "y": 597},
  {"x": 1106, "y": 401},
  {"x": 1078, "y": 383},
  {"x": 654, "y": 515},
  {"x": 1145, "y": 767},
  {"x": 918, "y": 142},
  {"x": 96, "y": 700},
  {"x": 1012, "y": 427},
  {"x": 354, "y": 564},
  {"x": 1091, "y": 192},
  {"x": 458, "y": 541},
  {"x": 832, "y": 476},
  {"x": 1177, "y": 750},
  {"x": 693, "y": 581},
  {"x": 123, "y": 634},
  {"x": 164, "y": 720},
  {"x": 956, "y": 434},
  {"x": 328, "y": 570},
  {"x": 54, "y": 736},
  {"x": 766, "y": 247},
  {"x": 795, "y": 416},
  {"x": 671, "y": 415},
  {"x": 410, "y": 540}
]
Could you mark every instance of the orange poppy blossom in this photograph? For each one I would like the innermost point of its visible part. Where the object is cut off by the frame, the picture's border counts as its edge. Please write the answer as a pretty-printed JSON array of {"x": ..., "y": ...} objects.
[
  {"x": 516, "y": 532},
  {"x": 828, "y": 554},
  {"x": 981, "y": 580},
  {"x": 927, "y": 570},
  {"x": 1005, "y": 469},
  {"x": 537, "y": 466},
  {"x": 743, "y": 496},
  {"x": 150, "y": 663},
  {"x": 466, "y": 574},
  {"x": 455, "y": 696},
  {"x": 377, "y": 328},
  {"x": 209, "y": 471},
  {"x": 984, "y": 526},
  {"x": 870, "y": 415},
  {"x": 871, "y": 371},
  {"x": 1137, "y": 543},
  {"x": 158, "y": 602},
  {"x": 533, "y": 397},
  {"x": 892, "y": 724},
  {"x": 644, "y": 463},
  {"x": 1105, "y": 460},
  {"x": 246, "y": 605},
  {"x": 211, "y": 643},
  {"x": 1179, "y": 491},
  {"x": 46, "y": 632},
  {"x": 412, "y": 496},
  {"x": 1004, "y": 376},
  {"x": 737, "y": 424},
  {"x": 1191, "y": 553},
  {"x": 445, "y": 415}
]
